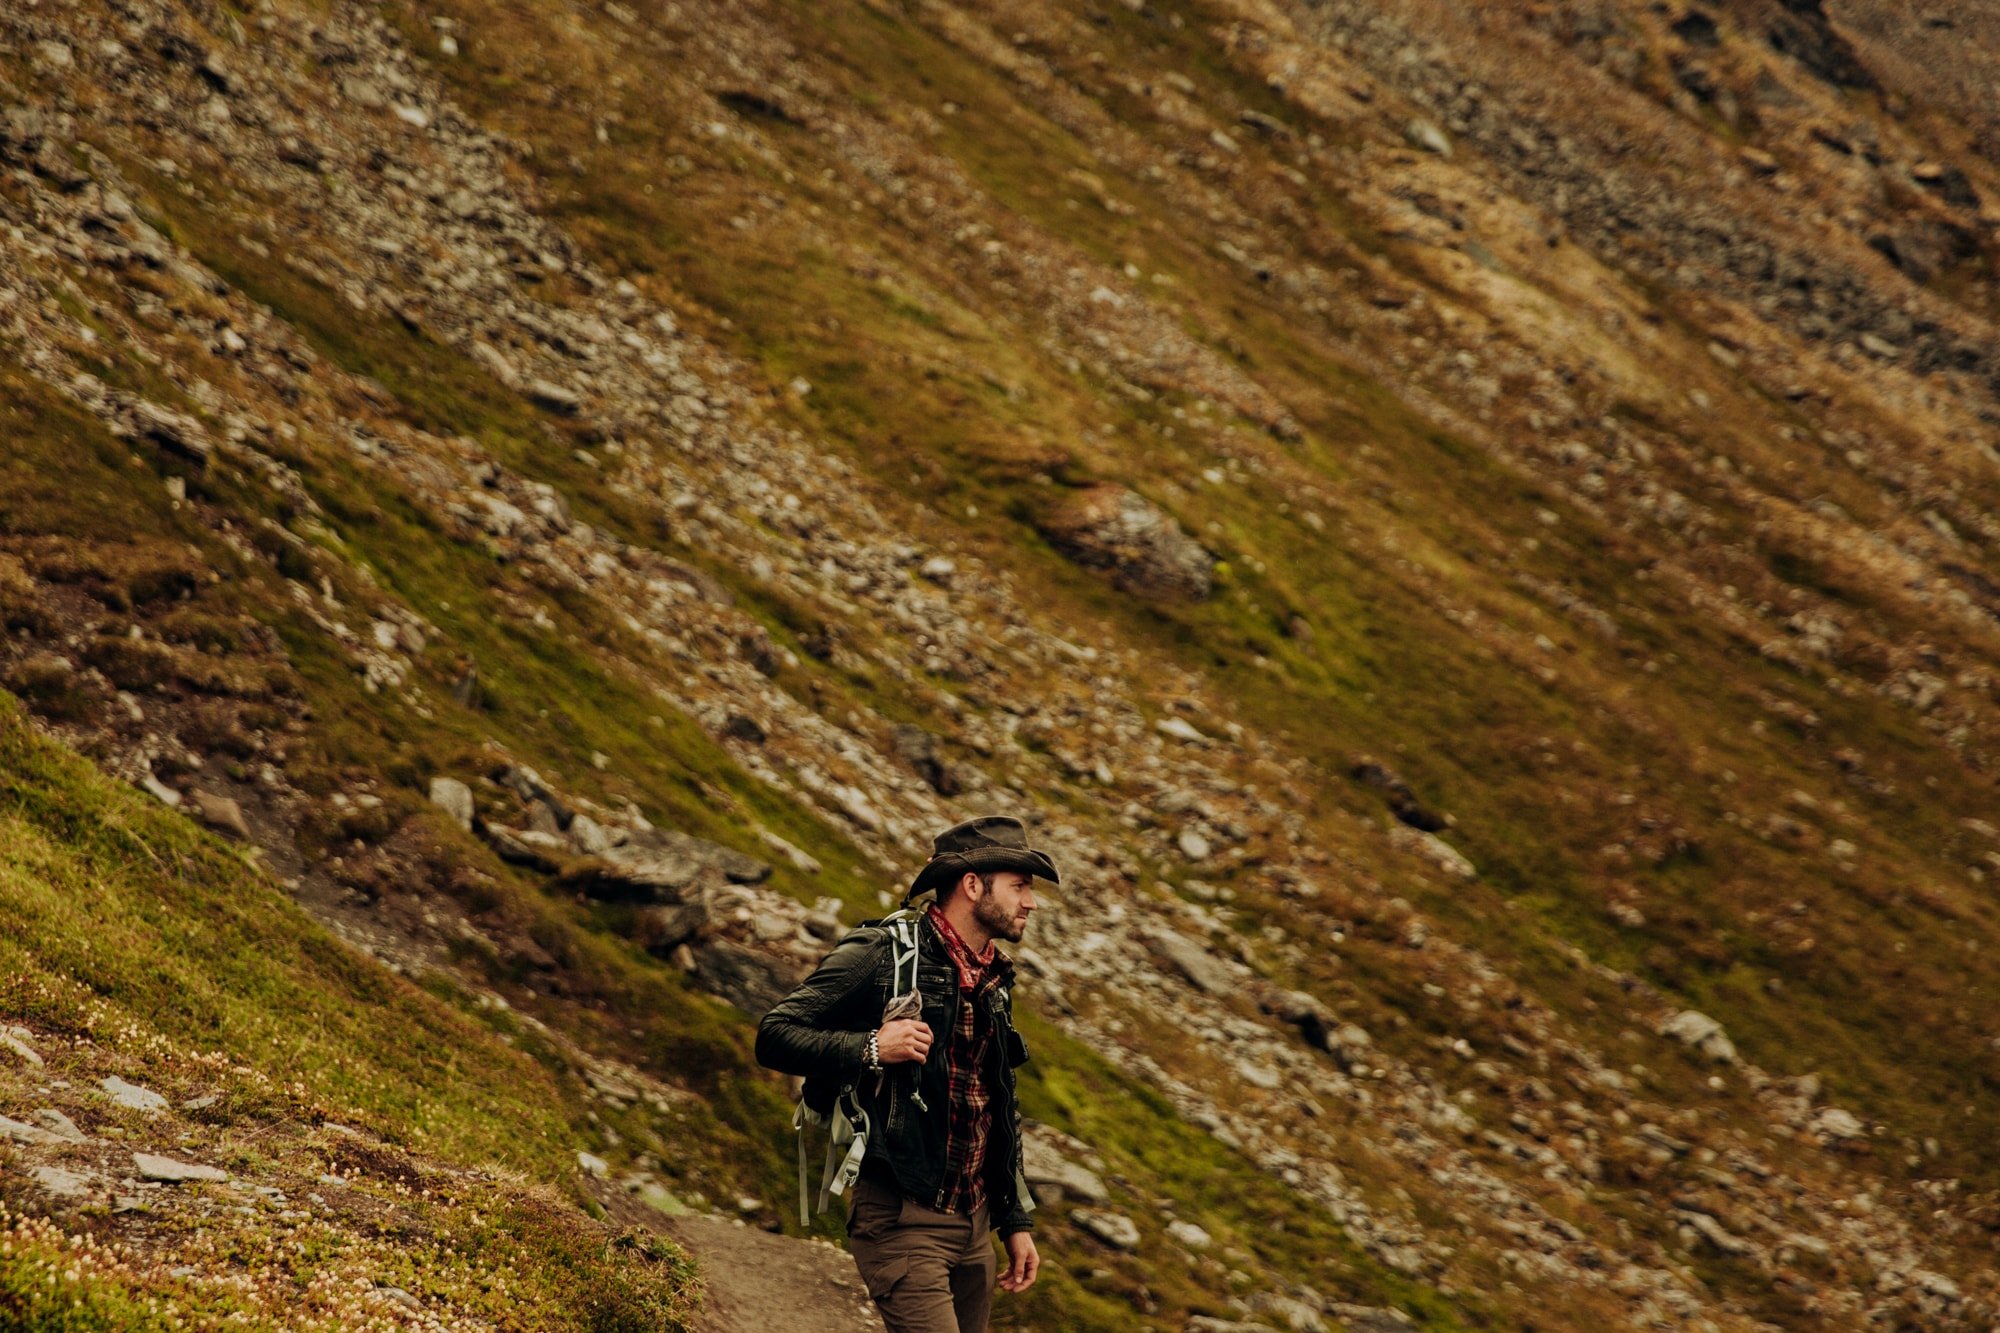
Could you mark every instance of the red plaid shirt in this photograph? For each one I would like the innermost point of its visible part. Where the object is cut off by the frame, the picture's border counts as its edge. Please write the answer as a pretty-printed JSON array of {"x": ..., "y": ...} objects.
[{"x": 969, "y": 1118}]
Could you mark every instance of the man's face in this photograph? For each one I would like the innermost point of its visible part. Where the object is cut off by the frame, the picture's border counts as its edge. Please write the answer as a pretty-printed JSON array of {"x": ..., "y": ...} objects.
[{"x": 1003, "y": 909}]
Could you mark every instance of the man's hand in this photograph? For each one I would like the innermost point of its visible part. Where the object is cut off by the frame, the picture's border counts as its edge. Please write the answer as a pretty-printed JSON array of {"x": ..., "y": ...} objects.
[
  {"x": 905, "y": 1040},
  {"x": 1022, "y": 1262}
]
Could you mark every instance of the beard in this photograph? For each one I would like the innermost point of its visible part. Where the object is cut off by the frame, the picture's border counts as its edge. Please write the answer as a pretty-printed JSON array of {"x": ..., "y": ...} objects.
[{"x": 999, "y": 921}]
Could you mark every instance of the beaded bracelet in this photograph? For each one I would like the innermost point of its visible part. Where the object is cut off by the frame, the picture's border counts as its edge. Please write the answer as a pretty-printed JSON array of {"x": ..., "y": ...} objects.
[{"x": 874, "y": 1057}]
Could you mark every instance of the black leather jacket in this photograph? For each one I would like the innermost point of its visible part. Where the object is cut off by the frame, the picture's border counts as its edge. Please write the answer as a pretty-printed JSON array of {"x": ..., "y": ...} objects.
[{"x": 821, "y": 1031}]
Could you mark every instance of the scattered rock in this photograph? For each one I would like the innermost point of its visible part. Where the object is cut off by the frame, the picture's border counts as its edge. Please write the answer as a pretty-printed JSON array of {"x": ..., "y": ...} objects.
[
  {"x": 400, "y": 1297},
  {"x": 660, "y": 1199},
  {"x": 554, "y": 397},
  {"x": 172, "y": 431},
  {"x": 660, "y": 929},
  {"x": 1702, "y": 1033},
  {"x": 160, "y": 791},
  {"x": 455, "y": 799},
  {"x": 545, "y": 852},
  {"x": 1114, "y": 1229},
  {"x": 919, "y": 749},
  {"x": 1055, "y": 1177},
  {"x": 151, "y": 1166},
  {"x": 1403, "y": 802},
  {"x": 1193, "y": 846},
  {"x": 1303, "y": 1012},
  {"x": 1259, "y": 1075},
  {"x": 1291, "y": 1312},
  {"x": 132, "y": 1096},
  {"x": 14, "y": 1042},
  {"x": 60, "y": 1125},
  {"x": 635, "y": 874},
  {"x": 1370, "y": 1318},
  {"x": 1179, "y": 729},
  {"x": 1725, "y": 1243},
  {"x": 857, "y": 807},
  {"x": 222, "y": 814},
  {"x": 592, "y": 1164},
  {"x": 1189, "y": 1235},
  {"x": 801, "y": 860},
  {"x": 18, "y": 1131},
  {"x": 1142, "y": 548},
  {"x": 590, "y": 837},
  {"x": 750, "y": 980},
  {"x": 1433, "y": 849},
  {"x": 1421, "y": 133},
  {"x": 1838, "y": 1126},
  {"x": 1197, "y": 964},
  {"x": 21, "y": 131},
  {"x": 363, "y": 93},
  {"x": 661, "y": 867},
  {"x": 62, "y": 1183}
]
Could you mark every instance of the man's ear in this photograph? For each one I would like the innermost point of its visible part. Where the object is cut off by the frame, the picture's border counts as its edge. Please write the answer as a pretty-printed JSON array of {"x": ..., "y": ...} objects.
[{"x": 971, "y": 886}]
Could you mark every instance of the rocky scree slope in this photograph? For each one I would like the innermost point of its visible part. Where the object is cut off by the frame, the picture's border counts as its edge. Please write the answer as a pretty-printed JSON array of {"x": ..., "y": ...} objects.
[{"x": 1471, "y": 534}]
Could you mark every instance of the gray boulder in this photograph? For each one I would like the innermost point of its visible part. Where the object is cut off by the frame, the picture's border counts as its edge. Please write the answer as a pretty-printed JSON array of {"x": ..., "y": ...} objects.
[
  {"x": 222, "y": 814},
  {"x": 1054, "y": 1177},
  {"x": 734, "y": 866},
  {"x": 545, "y": 852},
  {"x": 132, "y": 1096},
  {"x": 454, "y": 798},
  {"x": 1127, "y": 536},
  {"x": 1701, "y": 1033},
  {"x": 1198, "y": 965},
  {"x": 151, "y": 1166},
  {"x": 661, "y": 867},
  {"x": 750, "y": 980},
  {"x": 660, "y": 929},
  {"x": 919, "y": 749},
  {"x": 1114, "y": 1229},
  {"x": 633, "y": 874}
]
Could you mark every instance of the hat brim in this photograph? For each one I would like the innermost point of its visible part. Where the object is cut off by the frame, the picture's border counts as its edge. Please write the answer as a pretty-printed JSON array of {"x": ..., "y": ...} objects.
[{"x": 942, "y": 870}]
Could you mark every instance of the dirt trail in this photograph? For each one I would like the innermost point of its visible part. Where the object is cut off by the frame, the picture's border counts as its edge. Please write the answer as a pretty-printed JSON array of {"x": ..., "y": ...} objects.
[{"x": 758, "y": 1282}]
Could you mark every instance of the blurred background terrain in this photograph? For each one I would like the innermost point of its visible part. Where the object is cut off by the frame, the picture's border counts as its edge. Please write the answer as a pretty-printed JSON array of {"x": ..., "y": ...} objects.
[{"x": 1469, "y": 531}]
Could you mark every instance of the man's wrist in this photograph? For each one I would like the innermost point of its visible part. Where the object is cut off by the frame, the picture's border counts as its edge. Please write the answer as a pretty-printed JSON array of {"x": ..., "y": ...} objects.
[{"x": 873, "y": 1057}]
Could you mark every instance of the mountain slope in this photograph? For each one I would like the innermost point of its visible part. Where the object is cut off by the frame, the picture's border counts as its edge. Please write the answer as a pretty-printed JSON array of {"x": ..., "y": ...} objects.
[{"x": 1472, "y": 532}]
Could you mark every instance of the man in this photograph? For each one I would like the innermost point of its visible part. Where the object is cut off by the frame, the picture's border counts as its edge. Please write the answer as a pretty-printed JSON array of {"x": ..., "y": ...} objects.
[{"x": 942, "y": 1166}]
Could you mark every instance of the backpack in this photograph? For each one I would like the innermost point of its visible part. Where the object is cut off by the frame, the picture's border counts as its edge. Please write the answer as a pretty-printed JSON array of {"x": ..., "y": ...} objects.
[{"x": 847, "y": 1141}]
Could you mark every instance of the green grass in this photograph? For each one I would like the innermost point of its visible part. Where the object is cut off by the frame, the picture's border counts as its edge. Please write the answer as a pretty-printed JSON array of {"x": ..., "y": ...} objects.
[{"x": 139, "y": 943}]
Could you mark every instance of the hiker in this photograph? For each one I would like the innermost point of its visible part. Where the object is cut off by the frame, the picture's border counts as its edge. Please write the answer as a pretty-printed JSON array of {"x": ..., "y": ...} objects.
[{"x": 905, "y": 1036}]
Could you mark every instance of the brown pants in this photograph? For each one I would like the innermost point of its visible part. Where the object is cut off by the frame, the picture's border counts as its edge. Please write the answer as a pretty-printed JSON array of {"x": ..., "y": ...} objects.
[{"x": 927, "y": 1272}]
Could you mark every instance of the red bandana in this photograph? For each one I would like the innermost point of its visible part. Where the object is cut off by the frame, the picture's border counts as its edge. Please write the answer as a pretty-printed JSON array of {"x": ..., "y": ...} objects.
[{"x": 970, "y": 965}]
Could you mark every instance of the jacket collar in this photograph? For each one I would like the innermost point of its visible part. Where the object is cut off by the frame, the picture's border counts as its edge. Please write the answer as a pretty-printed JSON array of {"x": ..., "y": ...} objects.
[{"x": 972, "y": 968}]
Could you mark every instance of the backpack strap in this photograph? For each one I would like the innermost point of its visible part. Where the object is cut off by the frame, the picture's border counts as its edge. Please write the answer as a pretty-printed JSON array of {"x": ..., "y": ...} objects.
[
  {"x": 904, "y": 937},
  {"x": 847, "y": 1143},
  {"x": 902, "y": 928},
  {"x": 845, "y": 1147},
  {"x": 803, "y": 1115}
]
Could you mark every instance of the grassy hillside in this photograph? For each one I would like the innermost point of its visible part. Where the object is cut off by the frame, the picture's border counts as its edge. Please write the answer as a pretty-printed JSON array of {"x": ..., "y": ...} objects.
[
  {"x": 688, "y": 406},
  {"x": 137, "y": 948}
]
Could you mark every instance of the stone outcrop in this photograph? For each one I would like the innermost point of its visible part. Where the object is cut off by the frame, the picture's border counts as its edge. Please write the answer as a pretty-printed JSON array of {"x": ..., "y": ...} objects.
[{"x": 1136, "y": 543}]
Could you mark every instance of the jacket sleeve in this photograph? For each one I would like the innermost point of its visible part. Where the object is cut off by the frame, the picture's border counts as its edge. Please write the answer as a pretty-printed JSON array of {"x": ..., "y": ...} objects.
[{"x": 807, "y": 1032}]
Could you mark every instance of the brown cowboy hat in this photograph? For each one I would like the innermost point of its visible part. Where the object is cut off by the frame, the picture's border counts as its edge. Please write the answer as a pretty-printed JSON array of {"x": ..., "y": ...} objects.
[{"x": 982, "y": 845}]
